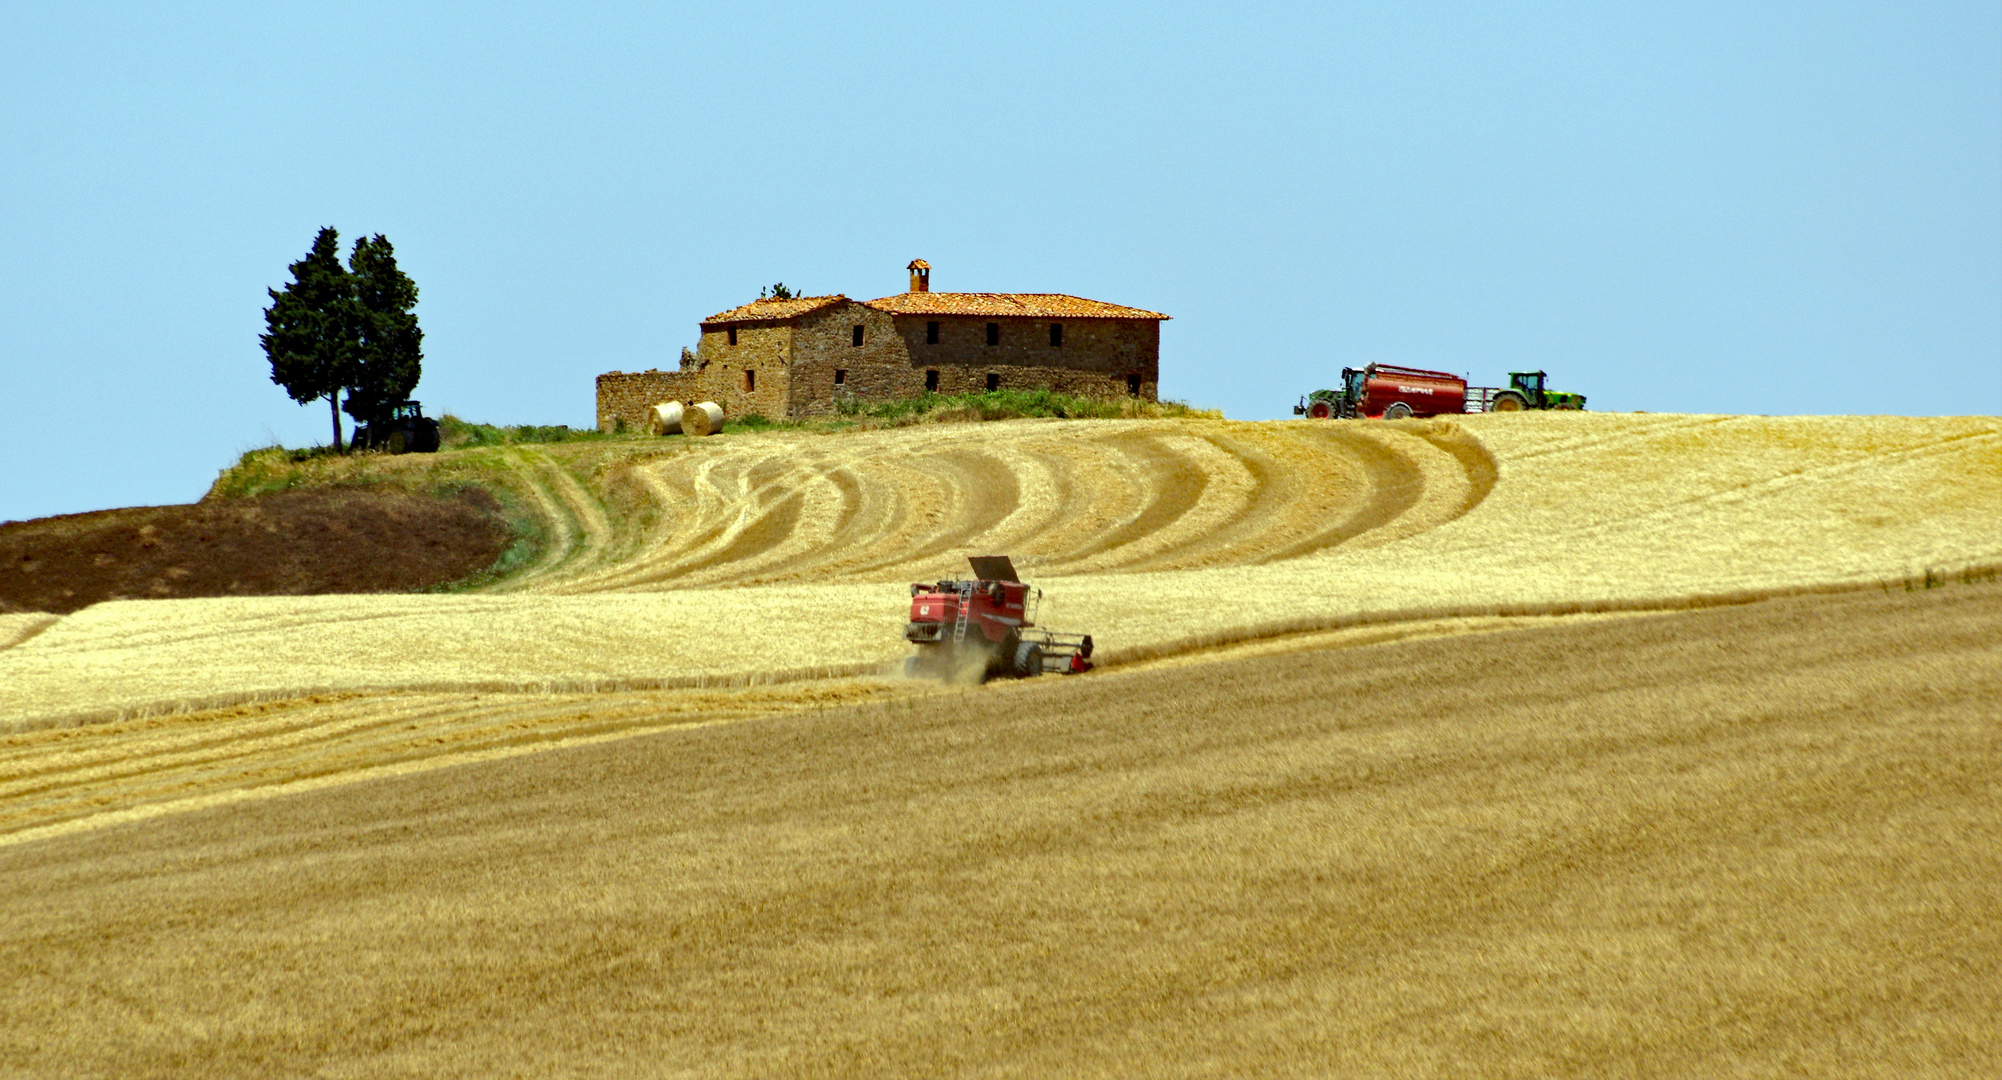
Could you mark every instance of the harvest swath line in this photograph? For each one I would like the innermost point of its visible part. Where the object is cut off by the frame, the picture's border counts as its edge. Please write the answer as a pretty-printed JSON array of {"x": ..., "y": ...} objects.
[
  {"x": 905, "y": 503},
  {"x": 438, "y": 726},
  {"x": 1752, "y": 840},
  {"x": 782, "y": 556},
  {"x": 58, "y": 782}
]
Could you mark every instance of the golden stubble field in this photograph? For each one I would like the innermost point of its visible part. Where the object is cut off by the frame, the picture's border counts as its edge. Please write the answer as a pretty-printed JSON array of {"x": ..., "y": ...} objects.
[
  {"x": 1753, "y": 840},
  {"x": 783, "y": 557},
  {"x": 1509, "y": 745}
]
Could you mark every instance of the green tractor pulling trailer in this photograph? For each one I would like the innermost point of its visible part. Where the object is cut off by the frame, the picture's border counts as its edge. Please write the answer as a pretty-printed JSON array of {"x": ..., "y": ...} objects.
[{"x": 1390, "y": 392}]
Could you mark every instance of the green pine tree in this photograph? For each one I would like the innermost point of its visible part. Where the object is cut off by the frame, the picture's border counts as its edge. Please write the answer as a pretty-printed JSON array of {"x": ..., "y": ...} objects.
[
  {"x": 314, "y": 328},
  {"x": 390, "y": 359}
]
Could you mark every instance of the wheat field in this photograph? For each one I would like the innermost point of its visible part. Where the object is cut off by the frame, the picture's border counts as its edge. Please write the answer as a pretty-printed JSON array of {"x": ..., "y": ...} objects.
[
  {"x": 1753, "y": 840},
  {"x": 782, "y": 557},
  {"x": 1496, "y": 746},
  {"x": 1549, "y": 744}
]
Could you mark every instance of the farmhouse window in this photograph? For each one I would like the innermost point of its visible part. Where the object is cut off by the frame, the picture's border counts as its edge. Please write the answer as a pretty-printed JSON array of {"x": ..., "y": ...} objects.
[
  {"x": 733, "y": 335},
  {"x": 1056, "y": 335},
  {"x": 1133, "y": 385},
  {"x": 931, "y": 333},
  {"x": 840, "y": 376},
  {"x": 750, "y": 380},
  {"x": 993, "y": 382},
  {"x": 931, "y": 380},
  {"x": 857, "y": 336},
  {"x": 994, "y": 333}
]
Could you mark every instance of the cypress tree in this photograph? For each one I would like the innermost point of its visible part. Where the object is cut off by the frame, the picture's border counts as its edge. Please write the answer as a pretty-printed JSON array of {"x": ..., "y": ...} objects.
[
  {"x": 391, "y": 355},
  {"x": 314, "y": 328}
]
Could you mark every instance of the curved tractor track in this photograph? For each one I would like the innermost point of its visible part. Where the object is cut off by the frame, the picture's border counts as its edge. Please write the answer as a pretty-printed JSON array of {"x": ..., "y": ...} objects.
[
  {"x": 1170, "y": 539},
  {"x": 1062, "y": 498}
]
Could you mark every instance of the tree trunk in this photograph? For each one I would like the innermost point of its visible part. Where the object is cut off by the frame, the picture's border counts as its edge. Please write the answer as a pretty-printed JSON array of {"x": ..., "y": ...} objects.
[{"x": 333, "y": 406}]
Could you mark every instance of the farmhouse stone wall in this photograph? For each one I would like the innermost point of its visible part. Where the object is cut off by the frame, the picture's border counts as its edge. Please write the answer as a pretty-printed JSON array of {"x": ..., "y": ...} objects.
[
  {"x": 965, "y": 379},
  {"x": 1096, "y": 355},
  {"x": 876, "y": 370},
  {"x": 810, "y": 364},
  {"x": 764, "y": 350}
]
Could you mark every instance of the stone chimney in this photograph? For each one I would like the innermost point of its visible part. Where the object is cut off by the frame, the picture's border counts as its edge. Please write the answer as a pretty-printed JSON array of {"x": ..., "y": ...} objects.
[{"x": 920, "y": 275}]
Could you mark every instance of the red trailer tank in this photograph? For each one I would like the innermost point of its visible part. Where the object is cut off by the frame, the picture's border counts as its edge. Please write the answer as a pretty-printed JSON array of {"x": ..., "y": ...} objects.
[{"x": 1393, "y": 392}]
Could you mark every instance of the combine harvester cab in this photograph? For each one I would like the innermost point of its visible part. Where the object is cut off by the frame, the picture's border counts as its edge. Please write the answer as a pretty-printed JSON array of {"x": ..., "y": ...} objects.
[
  {"x": 1387, "y": 392},
  {"x": 986, "y": 626}
]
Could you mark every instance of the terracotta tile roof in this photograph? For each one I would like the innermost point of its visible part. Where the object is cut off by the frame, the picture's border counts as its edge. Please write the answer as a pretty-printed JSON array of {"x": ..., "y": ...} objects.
[
  {"x": 1032, "y": 305},
  {"x": 763, "y": 310}
]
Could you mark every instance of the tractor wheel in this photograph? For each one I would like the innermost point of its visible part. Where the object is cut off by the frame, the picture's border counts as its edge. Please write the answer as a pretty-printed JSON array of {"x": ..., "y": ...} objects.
[
  {"x": 1397, "y": 411},
  {"x": 397, "y": 442},
  {"x": 1321, "y": 410},
  {"x": 1508, "y": 401},
  {"x": 1028, "y": 660}
]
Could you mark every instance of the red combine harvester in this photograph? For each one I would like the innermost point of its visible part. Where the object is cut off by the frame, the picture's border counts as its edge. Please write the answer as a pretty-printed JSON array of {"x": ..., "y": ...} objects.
[
  {"x": 1388, "y": 392},
  {"x": 985, "y": 625}
]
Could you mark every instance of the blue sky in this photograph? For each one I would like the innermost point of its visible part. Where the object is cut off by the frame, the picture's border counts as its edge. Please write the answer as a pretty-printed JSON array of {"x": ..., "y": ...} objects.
[{"x": 1695, "y": 207}]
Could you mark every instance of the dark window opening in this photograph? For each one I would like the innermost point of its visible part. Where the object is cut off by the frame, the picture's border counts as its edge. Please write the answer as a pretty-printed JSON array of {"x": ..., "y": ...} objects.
[
  {"x": 750, "y": 380},
  {"x": 858, "y": 336},
  {"x": 931, "y": 333},
  {"x": 733, "y": 335},
  {"x": 1133, "y": 385},
  {"x": 840, "y": 376},
  {"x": 994, "y": 333},
  {"x": 1056, "y": 335},
  {"x": 993, "y": 382},
  {"x": 931, "y": 381}
]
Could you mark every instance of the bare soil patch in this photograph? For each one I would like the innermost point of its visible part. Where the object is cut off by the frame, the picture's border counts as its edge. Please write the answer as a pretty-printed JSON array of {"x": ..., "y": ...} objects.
[{"x": 293, "y": 543}]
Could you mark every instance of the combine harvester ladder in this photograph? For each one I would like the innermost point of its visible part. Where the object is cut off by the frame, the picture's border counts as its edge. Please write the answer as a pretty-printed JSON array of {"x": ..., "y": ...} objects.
[{"x": 965, "y": 605}]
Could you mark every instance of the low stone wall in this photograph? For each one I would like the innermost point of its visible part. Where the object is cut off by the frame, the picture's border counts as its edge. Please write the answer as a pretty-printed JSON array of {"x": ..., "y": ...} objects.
[{"x": 625, "y": 398}]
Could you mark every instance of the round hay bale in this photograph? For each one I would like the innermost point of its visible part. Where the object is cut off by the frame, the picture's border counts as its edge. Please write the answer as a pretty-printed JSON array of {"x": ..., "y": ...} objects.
[
  {"x": 665, "y": 418},
  {"x": 702, "y": 418}
]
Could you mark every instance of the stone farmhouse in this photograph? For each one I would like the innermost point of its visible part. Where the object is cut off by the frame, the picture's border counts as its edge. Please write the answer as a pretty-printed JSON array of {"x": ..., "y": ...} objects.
[{"x": 808, "y": 355}]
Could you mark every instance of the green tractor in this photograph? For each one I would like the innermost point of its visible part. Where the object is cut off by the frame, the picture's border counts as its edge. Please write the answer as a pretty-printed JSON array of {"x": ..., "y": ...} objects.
[
  {"x": 1525, "y": 391},
  {"x": 404, "y": 429}
]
